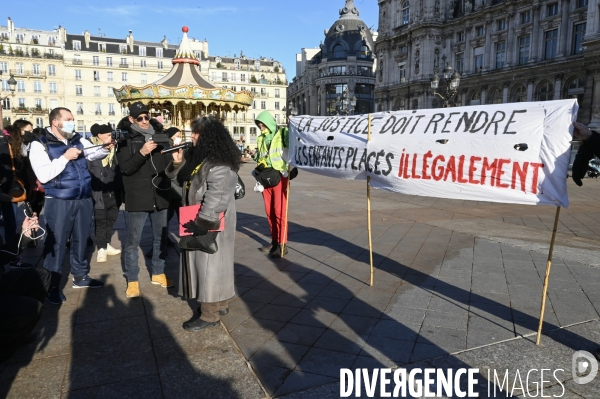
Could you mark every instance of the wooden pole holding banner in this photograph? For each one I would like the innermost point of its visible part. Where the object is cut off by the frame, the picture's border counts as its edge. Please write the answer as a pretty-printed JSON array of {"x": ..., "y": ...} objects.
[
  {"x": 369, "y": 210},
  {"x": 287, "y": 205},
  {"x": 548, "y": 267}
]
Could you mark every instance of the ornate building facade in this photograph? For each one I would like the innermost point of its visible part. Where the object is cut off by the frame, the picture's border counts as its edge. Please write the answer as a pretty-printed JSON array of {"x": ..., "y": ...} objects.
[
  {"x": 344, "y": 62},
  {"x": 505, "y": 50}
]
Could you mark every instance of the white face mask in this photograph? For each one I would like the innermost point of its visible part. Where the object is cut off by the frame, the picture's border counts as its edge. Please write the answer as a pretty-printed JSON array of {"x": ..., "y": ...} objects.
[
  {"x": 177, "y": 141},
  {"x": 68, "y": 126}
]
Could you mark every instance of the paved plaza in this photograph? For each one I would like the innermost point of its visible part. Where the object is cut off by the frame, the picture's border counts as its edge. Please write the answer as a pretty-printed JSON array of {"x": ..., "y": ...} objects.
[{"x": 457, "y": 284}]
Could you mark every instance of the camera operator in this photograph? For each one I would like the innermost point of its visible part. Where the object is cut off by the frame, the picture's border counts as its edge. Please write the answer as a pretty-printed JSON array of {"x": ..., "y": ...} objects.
[{"x": 146, "y": 192}]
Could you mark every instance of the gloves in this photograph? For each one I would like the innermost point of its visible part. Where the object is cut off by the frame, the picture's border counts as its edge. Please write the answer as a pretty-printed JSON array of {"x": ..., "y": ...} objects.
[
  {"x": 284, "y": 173},
  {"x": 580, "y": 164},
  {"x": 258, "y": 187},
  {"x": 192, "y": 228}
]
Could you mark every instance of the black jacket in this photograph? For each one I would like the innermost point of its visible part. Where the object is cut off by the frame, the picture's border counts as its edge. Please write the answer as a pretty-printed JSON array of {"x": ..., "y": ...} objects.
[
  {"x": 105, "y": 180},
  {"x": 6, "y": 172},
  {"x": 145, "y": 184}
]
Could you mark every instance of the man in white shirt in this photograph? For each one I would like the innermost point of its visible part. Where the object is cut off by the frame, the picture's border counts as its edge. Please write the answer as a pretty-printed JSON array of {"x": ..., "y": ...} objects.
[{"x": 59, "y": 162}]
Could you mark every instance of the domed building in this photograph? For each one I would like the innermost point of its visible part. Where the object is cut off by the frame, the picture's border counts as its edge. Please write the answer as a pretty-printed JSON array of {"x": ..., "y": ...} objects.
[{"x": 338, "y": 77}]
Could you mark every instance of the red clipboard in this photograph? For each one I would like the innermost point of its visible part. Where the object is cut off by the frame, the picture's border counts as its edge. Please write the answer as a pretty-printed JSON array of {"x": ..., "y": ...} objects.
[{"x": 190, "y": 213}]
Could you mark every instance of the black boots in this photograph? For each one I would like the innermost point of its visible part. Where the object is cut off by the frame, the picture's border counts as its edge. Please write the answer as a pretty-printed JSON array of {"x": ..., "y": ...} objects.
[
  {"x": 269, "y": 247},
  {"x": 276, "y": 253}
]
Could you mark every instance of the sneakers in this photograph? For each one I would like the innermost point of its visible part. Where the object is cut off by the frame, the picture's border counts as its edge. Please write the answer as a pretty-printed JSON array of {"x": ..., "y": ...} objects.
[
  {"x": 86, "y": 282},
  {"x": 102, "y": 255},
  {"x": 110, "y": 250},
  {"x": 55, "y": 296},
  {"x": 277, "y": 252},
  {"x": 18, "y": 262},
  {"x": 269, "y": 247},
  {"x": 162, "y": 280},
  {"x": 133, "y": 289}
]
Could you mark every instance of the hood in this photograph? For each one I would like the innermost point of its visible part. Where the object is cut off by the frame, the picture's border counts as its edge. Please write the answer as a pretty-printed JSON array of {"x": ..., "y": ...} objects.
[{"x": 268, "y": 120}]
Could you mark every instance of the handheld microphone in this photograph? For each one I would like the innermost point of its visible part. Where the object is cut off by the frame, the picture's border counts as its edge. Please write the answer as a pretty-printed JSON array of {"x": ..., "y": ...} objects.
[{"x": 185, "y": 145}]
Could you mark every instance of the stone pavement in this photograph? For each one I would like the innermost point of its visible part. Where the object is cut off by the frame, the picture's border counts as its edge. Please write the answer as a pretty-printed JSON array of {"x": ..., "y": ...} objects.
[{"x": 457, "y": 284}]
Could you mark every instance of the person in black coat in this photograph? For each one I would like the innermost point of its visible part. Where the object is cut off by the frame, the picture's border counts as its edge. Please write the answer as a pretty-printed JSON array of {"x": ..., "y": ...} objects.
[
  {"x": 589, "y": 149},
  {"x": 106, "y": 192},
  {"x": 146, "y": 192}
]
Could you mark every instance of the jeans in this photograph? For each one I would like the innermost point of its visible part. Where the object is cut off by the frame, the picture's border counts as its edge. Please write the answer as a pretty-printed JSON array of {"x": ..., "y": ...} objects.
[
  {"x": 135, "y": 226},
  {"x": 105, "y": 220},
  {"x": 67, "y": 219}
]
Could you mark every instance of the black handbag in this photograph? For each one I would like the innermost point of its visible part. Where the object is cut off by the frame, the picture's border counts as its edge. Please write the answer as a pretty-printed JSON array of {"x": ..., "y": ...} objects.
[
  {"x": 240, "y": 189},
  {"x": 205, "y": 243},
  {"x": 268, "y": 177}
]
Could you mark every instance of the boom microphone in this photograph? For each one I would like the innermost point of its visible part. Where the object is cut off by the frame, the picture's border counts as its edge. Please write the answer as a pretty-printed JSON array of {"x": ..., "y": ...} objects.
[{"x": 187, "y": 144}]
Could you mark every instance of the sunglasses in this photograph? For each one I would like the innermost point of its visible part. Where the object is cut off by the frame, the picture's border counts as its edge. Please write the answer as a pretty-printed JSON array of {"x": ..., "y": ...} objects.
[{"x": 143, "y": 118}]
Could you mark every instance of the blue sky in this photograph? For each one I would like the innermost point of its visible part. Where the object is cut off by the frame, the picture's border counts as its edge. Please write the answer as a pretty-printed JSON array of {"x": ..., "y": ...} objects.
[{"x": 269, "y": 28}]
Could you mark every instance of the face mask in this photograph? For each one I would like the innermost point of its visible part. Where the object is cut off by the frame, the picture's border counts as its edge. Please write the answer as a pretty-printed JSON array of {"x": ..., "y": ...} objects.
[
  {"x": 266, "y": 131},
  {"x": 177, "y": 141},
  {"x": 68, "y": 126},
  {"x": 28, "y": 137}
]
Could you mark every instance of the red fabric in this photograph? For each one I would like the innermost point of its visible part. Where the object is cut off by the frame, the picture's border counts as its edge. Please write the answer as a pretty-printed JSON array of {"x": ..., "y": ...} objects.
[{"x": 275, "y": 198}]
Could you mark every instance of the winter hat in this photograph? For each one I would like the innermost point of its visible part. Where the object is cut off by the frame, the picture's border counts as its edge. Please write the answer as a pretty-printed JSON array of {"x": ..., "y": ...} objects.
[
  {"x": 97, "y": 129},
  {"x": 172, "y": 131},
  {"x": 137, "y": 108}
]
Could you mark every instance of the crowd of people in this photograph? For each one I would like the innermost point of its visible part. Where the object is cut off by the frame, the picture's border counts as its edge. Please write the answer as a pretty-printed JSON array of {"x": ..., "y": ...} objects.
[{"x": 79, "y": 184}]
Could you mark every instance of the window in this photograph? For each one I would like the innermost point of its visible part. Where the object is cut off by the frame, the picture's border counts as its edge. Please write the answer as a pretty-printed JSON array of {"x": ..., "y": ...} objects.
[
  {"x": 20, "y": 70},
  {"x": 338, "y": 51},
  {"x": 581, "y": 3},
  {"x": 123, "y": 76},
  {"x": 80, "y": 126},
  {"x": 111, "y": 109},
  {"x": 234, "y": 88},
  {"x": 243, "y": 77},
  {"x": 159, "y": 52},
  {"x": 551, "y": 9},
  {"x": 39, "y": 122},
  {"x": 479, "y": 31},
  {"x": 95, "y": 60},
  {"x": 460, "y": 37},
  {"x": 53, "y": 104},
  {"x": 402, "y": 72},
  {"x": 143, "y": 78},
  {"x": 551, "y": 41},
  {"x": 4, "y": 67},
  {"x": 36, "y": 69},
  {"x": 546, "y": 92},
  {"x": 337, "y": 70},
  {"x": 277, "y": 93},
  {"x": 142, "y": 63},
  {"x": 97, "y": 91},
  {"x": 478, "y": 52},
  {"x": 524, "y": 49},
  {"x": 78, "y": 74},
  {"x": 578, "y": 33},
  {"x": 51, "y": 41},
  {"x": 111, "y": 93},
  {"x": 254, "y": 104},
  {"x": 159, "y": 65},
  {"x": 21, "y": 103},
  {"x": 232, "y": 77},
  {"x": 142, "y": 51},
  {"x": 52, "y": 87},
  {"x": 243, "y": 88},
  {"x": 123, "y": 49},
  {"x": 102, "y": 47},
  {"x": 277, "y": 118},
  {"x": 78, "y": 90},
  {"x": 109, "y": 61},
  {"x": 501, "y": 24},
  {"x": 236, "y": 63},
  {"x": 109, "y": 76},
  {"x": 495, "y": 97},
  {"x": 500, "y": 54},
  {"x": 51, "y": 70},
  {"x": 123, "y": 61},
  {"x": 257, "y": 65},
  {"x": 37, "y": 86},
  {"x": 76, "y": 45},
  {"x": 459, "y": 64},
  {"x": 5, "y": 85},
  {"x": 277, "y": 105},
  {"x": 79, "y": 108},
  {"x": 38, "y": 103},
  {"x": 21, "y": 86},
  {"x": 405, "y": 12},
  {"x": 6, "y": 105},
  {"x": 263, "y": 92},
  {"x": 98, "y": 108},
  {"x": 252, "y": 131},
  {"x": 525, "y": 17},
  {"x": 224, "y": 77}
]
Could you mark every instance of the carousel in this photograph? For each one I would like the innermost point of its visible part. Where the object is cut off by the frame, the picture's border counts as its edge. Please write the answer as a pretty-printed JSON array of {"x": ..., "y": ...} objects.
[{"x": 184, "y": 94}]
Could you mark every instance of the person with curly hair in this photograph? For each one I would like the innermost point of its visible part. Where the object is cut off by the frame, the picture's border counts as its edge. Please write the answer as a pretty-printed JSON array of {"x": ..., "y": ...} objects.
[{"x": 208, "y": 173}]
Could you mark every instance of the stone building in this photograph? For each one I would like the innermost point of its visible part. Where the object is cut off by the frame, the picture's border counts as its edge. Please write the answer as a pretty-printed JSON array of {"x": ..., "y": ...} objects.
[
  {"x": 505, "y": 51},
  {"x": 343, "y": 62},
  {"x": 79, "y": 71}
]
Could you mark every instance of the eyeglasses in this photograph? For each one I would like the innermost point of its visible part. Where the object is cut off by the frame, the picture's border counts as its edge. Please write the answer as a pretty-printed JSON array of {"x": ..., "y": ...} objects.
[{"x": 143, "y": 118}]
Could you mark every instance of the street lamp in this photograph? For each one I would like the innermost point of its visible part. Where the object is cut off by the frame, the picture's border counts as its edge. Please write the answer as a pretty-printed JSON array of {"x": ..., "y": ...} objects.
[
  {"x": 12, "y": 84},
  {"x": 345, "y": 104},
  {"x": 452, "y": 81},
  {"x": 291, "y": 111}
]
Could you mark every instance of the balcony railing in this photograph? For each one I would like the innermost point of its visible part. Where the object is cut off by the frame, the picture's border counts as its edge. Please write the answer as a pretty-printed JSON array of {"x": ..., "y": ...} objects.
[
  {"x": 98, "y": 112},
  {"x": 30, "y": 110},
  {"x": 24, "y": 73},
  {"x": 111, "y": 113},
  {"x": 123, "y": 65},
  {"x": 77, "y": 62}
]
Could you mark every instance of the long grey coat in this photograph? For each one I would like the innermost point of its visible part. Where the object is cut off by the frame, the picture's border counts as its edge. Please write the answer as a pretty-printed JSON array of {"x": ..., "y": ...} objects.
[{"x": 209, "y": 277}]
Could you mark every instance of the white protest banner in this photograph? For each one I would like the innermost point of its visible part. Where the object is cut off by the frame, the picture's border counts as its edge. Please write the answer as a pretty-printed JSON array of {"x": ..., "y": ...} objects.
[{"x": 514, "y": 153}]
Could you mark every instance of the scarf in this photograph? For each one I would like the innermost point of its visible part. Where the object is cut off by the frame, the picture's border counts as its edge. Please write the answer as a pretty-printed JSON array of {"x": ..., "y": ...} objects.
[
  {"x": 147, "y": 133},
  {"x": 108, "y": 161}
]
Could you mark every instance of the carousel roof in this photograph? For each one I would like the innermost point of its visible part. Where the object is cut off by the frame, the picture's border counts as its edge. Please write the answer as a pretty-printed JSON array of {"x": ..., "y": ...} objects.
[{"x": 184, "y": 83}]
